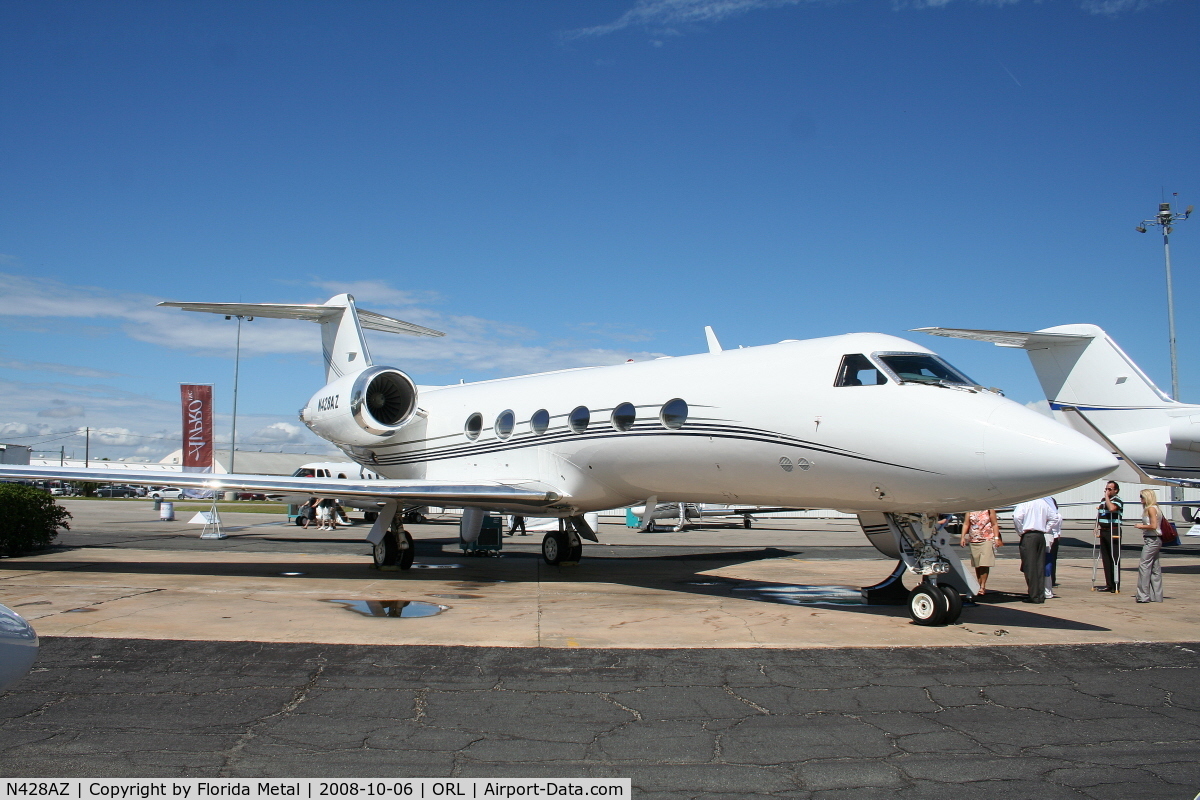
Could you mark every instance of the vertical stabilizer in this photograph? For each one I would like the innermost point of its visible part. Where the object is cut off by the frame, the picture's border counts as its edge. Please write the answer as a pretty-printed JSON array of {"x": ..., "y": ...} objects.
[
  {"x": 342, "y": 340},
  {"x": 1077, "y": 365}
]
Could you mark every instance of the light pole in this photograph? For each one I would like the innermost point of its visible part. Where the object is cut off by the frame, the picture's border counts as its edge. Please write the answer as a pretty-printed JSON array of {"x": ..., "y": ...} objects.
[
  {"x": 237, "y": 360},
  {"x": 1165, "y": 219}
]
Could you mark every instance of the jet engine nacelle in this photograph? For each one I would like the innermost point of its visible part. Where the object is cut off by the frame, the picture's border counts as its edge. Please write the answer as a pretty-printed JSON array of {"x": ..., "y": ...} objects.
[
  {"x": 1185, "y": 433},
  {"x": 362, "y": 409}
]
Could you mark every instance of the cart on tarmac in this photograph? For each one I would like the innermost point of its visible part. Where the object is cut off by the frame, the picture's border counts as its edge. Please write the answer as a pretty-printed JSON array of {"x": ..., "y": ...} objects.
[{"x": 490, "y": 541}]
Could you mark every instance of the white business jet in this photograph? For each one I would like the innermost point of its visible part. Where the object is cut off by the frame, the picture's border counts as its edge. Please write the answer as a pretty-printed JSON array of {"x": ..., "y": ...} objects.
[
  {"x": 1094, "y": 387},
  {"x": 864, "y": 422}
]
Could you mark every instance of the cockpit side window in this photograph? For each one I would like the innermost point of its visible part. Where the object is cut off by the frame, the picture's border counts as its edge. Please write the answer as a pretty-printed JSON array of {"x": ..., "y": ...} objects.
[
  {"x": 923, "y": 368},
  {"x": 857, "y": 370},
  {"x": 303, "y": 473}
]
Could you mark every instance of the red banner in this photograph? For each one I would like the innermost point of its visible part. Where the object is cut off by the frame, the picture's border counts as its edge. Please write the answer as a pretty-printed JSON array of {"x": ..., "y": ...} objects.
[{"x": 197, "y": 427}]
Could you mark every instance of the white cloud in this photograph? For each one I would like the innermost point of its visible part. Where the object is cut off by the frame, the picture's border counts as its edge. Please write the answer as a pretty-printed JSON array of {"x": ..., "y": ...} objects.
[
  {"x": 280, "y": 433},
  {"x": 62, "y": 369},
  {"x": 61, "y": 412},
  {"x": 471, "y": 344},
  {"x": 664, "y": 14}
]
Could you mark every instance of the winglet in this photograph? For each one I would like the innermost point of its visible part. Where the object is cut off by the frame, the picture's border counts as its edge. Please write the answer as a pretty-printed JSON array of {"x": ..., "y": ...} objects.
[{"x": 714, "y": 346}]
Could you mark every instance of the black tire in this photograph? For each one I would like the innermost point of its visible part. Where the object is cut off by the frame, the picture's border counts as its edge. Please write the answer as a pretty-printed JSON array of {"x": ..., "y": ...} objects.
[
  {"x": 927, "y": 605},
  {"x": 370, "y": 516},
  {"x": 387, "y": 552},
  {"x": 954, "y": 603},
  {"x": 746, "y": 523},
  {"x": 555, "y": 548},
  {"x": 576, "y": 554},
  {"x": 299, "y": 521},
  {"x": 408, "y": 553}
]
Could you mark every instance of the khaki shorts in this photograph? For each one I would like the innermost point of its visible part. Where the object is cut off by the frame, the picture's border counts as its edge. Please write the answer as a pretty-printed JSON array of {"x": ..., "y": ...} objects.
[{"x": 983, "y": 554}]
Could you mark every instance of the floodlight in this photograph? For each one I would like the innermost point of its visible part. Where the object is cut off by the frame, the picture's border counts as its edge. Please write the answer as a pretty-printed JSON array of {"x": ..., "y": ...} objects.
[{"x": 1139, "y": 229}]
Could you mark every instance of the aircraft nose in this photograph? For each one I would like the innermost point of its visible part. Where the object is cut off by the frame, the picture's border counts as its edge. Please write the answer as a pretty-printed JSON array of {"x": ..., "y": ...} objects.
[{"x": 1030, "y": 455}]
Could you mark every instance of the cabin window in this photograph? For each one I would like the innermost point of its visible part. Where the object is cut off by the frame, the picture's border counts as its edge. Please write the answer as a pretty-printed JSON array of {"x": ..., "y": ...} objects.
[
  {"x": 474, "y": 426},
  {"x": 857, "y": 370},
  {"x": 623, "y": 416},
  {"x": 580, "y": 418},
  {"x": 303, "y": 472},
  {"x": 341, "y": 476},
  {"x": 540, "y": 421},
  {"x": 674, "y": 413},
  {"x": 923, "y": 368},
  {"x": 505, "y": 424}
]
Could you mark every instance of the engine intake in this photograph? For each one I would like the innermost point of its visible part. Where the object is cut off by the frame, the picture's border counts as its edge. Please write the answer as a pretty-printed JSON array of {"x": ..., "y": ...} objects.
[
  {"x": 363, "y": 408},
  {"x": 382, "y": 400}
]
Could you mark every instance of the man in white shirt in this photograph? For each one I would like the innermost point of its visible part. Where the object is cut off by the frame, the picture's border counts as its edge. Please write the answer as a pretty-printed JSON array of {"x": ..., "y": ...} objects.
[{"x": 1034, "y": 521}]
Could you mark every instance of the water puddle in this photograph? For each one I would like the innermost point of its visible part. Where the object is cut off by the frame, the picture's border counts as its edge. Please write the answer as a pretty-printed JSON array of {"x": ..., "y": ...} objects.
[
  {"x": 480, "y": 584},
  {"x": 437, "y": 566},
  {"x": 804, "y": 595},
  {"x": 77, "y": 610},
  {"x": 291, "y": 574},
  {"x": 33, "y": 603},
  {"x": 391, "y": 608},
  {"x": 459, "y": 596},
  {"x": 706, "y": 583}
]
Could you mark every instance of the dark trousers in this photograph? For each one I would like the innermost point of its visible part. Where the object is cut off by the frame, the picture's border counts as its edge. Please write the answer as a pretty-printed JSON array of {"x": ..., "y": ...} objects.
[
  {"x": 1033, "y": 564},
  {"x": 1110, "y": 554}
]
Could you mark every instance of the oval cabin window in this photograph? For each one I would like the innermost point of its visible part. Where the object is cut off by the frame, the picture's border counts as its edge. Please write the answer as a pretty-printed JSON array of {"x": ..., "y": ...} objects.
[
  {"x": 540, "y": 421},
  {"x": 674, "y": 413},
  {"x": 505, "y": 424},
  {"x": 623, "y": 416},
  {"x": 580, "y": 418},
  {"x": 474, "y": 426}
]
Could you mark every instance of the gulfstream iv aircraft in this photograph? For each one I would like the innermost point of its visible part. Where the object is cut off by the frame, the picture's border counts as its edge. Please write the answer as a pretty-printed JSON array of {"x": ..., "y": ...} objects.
[
  {"x": 1093, "y": 386},
  {"x": 866, "y": 423}
]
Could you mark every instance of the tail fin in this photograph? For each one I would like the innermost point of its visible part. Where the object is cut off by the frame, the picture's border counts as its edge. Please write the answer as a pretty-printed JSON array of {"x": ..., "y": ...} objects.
[
  {"x": 1077, "y": 365},
  {"x": 342, "y": 323}
]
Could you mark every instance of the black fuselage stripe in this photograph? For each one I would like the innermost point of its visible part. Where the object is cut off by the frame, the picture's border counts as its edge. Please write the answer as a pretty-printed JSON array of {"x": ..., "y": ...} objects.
[{"x": 420, "y": 458}]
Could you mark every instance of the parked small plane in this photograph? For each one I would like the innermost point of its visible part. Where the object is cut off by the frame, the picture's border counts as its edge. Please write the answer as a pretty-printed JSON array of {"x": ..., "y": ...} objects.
[
  {"x": 863, "y": 422},
  {"x": 1094, "y": 387}
]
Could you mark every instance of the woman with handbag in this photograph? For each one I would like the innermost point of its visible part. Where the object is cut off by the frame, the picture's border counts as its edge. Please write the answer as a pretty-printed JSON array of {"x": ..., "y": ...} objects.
[
  {"x": 981, "y": 530},
  {"x": 1149, "y": 587}
]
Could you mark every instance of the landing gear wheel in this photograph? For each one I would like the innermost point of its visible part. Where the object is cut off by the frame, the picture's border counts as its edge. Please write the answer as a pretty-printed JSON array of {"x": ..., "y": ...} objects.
[
  {"x": 299, "y": 521},
  {"x": 386, "y": 552},
  {"x": 746, "y": 523},
  {"x": 370, "y": 516},
  {"x": 927, "y": 605},
  {"x": 555, "y": 548},
  {"x": 409, "y": 553},
  {"x": 575, "y": 555},
  {"x": 954, "y": 603}
]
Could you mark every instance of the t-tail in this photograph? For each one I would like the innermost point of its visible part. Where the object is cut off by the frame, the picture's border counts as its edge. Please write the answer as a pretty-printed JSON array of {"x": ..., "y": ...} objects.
[
  {"x": 361, "y": 404},
  {"x": 1094, "y": 387}
]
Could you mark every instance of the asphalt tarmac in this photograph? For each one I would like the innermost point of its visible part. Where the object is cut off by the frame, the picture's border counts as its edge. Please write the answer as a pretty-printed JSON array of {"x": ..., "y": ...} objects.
[{"x": 131, "y": 681}]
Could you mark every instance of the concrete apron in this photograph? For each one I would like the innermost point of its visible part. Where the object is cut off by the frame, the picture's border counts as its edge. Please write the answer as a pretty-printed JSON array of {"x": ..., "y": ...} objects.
[{"x": 646, "y": 603}]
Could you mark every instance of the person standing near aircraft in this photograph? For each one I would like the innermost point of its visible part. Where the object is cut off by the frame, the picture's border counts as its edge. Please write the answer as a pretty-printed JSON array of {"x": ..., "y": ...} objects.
[
  {"x": 1149, "y": 585},
  {"x": 1034, "y": 520},
  {"x": 308, "y": 511},
  {"x": 1108, "y": 531},
  {"x": 981, "y": 531}
]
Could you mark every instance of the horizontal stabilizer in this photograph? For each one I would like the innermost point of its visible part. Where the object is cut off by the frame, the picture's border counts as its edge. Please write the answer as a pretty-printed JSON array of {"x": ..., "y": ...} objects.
[
  {"x": 485, "y": 494},
  {"x": 311, "y": 312},
  {"x": 1022, "y": 339},
  {"x": 1128, "y": 471}
]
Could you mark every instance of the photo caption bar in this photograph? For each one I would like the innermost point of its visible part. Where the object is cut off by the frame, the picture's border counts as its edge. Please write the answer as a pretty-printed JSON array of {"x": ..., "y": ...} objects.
[{"x": 307, "y": 788}]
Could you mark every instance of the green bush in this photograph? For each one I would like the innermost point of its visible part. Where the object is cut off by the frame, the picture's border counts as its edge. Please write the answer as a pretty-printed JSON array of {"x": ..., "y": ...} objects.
[{"x": 29, "y": 519}]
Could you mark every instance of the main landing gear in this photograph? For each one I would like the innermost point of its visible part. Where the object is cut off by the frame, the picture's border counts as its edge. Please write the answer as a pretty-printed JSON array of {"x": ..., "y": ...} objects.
[
  {"x": 396, "y": 549},
  {"x": 924, "y": 551},
  {"x": 562, "y": 548}
]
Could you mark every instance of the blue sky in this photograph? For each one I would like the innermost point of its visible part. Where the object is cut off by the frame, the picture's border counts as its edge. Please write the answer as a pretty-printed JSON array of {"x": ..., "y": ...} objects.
[{"x": 557, "y": 184}]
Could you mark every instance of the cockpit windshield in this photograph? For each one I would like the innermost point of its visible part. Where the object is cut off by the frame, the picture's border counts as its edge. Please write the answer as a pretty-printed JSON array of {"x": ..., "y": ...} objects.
[
  {"x": 857, "y": 370},
  {"x": 923, "y": 368}
]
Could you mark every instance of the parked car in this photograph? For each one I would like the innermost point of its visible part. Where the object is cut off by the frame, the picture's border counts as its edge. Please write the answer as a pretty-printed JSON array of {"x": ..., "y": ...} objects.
[
  {"x": 165, "y": 493},
  {"x": 116, "y": 491}
]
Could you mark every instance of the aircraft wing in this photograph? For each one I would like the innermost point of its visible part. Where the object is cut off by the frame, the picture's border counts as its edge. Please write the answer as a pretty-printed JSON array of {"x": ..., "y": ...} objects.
[
  {"x": 1025, "y": 340},
  {"x": 488, "y": 494},
  {"x": 1128, "y": 471},
  {"x": 313, "y": 313}
]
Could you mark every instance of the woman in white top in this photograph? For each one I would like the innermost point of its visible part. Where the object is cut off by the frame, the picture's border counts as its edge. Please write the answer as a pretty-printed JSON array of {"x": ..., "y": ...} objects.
[{"x": 1149, "y": 587}]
